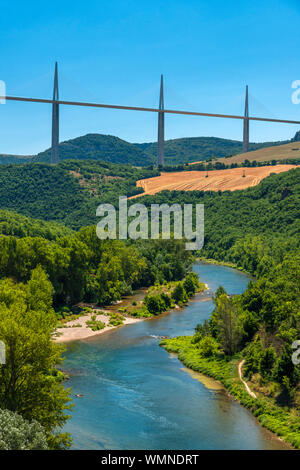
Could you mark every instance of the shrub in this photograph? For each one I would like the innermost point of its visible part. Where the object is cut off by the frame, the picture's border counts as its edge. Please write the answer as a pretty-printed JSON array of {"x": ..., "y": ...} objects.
[
  {"x": 87, "y": 309},
  {"x": 116, "y": 319},
  {"x": 141, "y": 313},
  {"x": 18, "y": 434},
  {"x": 95, "y": 325},
  {"x": 208, "y": 346},
  {"x": 158, "y": 303}
]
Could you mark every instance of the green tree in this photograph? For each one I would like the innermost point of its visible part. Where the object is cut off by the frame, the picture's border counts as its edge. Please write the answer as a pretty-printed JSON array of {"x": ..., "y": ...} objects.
[
  {"x": 226, "y": 324},
  {"x": 267, "y": 361},
  {"x": 220, "y": 291},
  {"x": 179, "y": 294},
  {"x": 158, "y": 303},
  {"x": 29, "y": 382},
  {"x": 191, "y": 284},
  {"x": 154, "y": 304}
]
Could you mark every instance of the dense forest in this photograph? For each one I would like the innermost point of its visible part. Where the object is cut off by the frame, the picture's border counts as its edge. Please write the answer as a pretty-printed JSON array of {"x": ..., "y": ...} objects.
[
  {"x": 112, "y": 149},
  {"x": 45, "y": 270},
  {"x": 258, "y": 327},
  {"x": 268, "y": 212},
  {"x": 68, "y": 192},
  {"x": 193, "y": 149},
  {"x": 12, "y": 223},
  {"x": 99, "y": 147},
  {"x": 12, "y": 159},
  {"x": 45, "y": 266},
  {"x": 257, "y": 230}
]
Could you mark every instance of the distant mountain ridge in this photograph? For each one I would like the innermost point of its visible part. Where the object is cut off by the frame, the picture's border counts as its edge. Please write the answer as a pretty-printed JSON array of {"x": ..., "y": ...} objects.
[
  {"x": 193, "y": 149},
  {"x": 115, "y": 150},
  {"x": 98, "y": 147}
]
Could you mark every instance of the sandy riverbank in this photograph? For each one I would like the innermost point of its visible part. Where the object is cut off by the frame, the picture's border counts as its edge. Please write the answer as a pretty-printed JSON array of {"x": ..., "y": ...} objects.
[
  {"x": 74, "y": 333},
  {"x": 71, "y": 332}
]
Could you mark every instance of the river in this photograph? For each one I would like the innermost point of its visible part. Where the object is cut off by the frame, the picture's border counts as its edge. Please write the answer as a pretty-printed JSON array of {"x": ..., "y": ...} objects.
[{"x": 138, "y": 396}]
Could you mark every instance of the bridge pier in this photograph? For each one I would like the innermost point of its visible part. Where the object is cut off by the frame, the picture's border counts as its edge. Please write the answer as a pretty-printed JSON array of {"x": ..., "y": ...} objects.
[
  {"x": 161, "y": 127},
  {"x": 246, "y": 125},
  {"x": 55, "y": 120}
]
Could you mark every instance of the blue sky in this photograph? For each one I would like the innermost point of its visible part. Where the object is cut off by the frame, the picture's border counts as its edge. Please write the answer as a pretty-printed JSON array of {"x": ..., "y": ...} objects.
[{"x": 113, "y": 51}]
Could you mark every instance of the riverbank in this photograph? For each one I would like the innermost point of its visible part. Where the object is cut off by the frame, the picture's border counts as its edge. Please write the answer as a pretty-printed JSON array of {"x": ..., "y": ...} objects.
[
  {"x": 78, "y": 329},
  {"x": 280, "y": 421},
  {"x": 224, "y": 263},
  {"x": 127, "y": 384},
  {"x": 144, "y": 304}
]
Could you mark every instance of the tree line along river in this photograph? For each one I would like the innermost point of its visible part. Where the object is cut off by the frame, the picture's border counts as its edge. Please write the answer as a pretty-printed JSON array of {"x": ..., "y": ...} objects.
[{"x": 138, "y": 396}]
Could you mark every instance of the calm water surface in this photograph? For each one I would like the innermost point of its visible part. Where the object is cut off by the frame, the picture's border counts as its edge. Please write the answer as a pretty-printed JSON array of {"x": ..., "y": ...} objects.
[{"x": 138, "y": 396}]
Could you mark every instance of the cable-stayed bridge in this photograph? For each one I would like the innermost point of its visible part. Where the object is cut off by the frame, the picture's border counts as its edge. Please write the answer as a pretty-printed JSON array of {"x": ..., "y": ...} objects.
[{"x": 161, "y": 111}]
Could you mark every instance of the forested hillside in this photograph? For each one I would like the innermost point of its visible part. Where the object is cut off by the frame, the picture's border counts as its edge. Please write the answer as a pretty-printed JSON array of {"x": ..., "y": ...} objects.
[
  {"x": 257, "y": 230},
  {"x": 9, "y": 159},
  {"x": 12, "y": 223},
  {"x": 98, "y": 147},
  {"x": 45, "y": 265},
  {"x": 68, "y": 192},
  {"x": 115, "y": 150},
  {"x": 71, "y": 191},
  {"x": 194, "y": 149},
  {"x": 268, "y": 210}
]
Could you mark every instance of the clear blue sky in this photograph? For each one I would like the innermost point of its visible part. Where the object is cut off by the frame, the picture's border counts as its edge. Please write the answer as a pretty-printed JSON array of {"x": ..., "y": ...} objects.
[{"x": 113, "y": 51}]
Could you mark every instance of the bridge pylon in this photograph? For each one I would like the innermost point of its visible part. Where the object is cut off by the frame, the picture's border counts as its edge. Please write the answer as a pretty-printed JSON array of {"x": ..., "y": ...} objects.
[
  {"x": 246, "y": 124},
  {"x": 55, "y": 120},
  {"x": 161, "y": 127}
]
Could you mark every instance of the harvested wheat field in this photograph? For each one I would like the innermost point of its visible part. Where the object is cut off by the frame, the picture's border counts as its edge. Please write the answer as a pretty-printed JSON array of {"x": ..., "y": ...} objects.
[{"x": 216, "y": 180}]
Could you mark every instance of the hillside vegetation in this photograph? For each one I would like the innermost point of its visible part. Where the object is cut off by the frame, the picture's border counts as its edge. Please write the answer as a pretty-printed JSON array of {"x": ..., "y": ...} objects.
[
  {"x": 68, "y": 192},
  {"x": 98, "y": 147},
  {"x": 269, "y": 211},
  {"x": 45, "y": 269},
  {"x": 194, "y": 149},
  {"x": 115, "y": 150},
  {"x": 41, "y": 282},
  {"x": 257, "y": 230},
  {"x": 12, "y": 223}
]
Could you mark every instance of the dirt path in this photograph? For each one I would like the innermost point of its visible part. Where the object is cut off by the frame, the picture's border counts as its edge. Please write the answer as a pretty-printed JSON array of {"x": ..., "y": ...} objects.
[{"x": 252, "y": 394}]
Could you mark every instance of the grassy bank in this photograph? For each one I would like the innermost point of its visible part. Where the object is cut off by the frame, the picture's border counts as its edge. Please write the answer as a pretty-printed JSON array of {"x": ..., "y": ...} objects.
[
  {"x": 223, "y": 263},
  {"x": 282, "y": 421}
]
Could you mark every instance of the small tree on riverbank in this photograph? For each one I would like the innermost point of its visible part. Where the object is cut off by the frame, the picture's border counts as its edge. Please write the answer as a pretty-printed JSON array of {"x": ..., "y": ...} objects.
[
  {"x": 179, "y": 294},
  {"x": 226, "y": 324}
]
